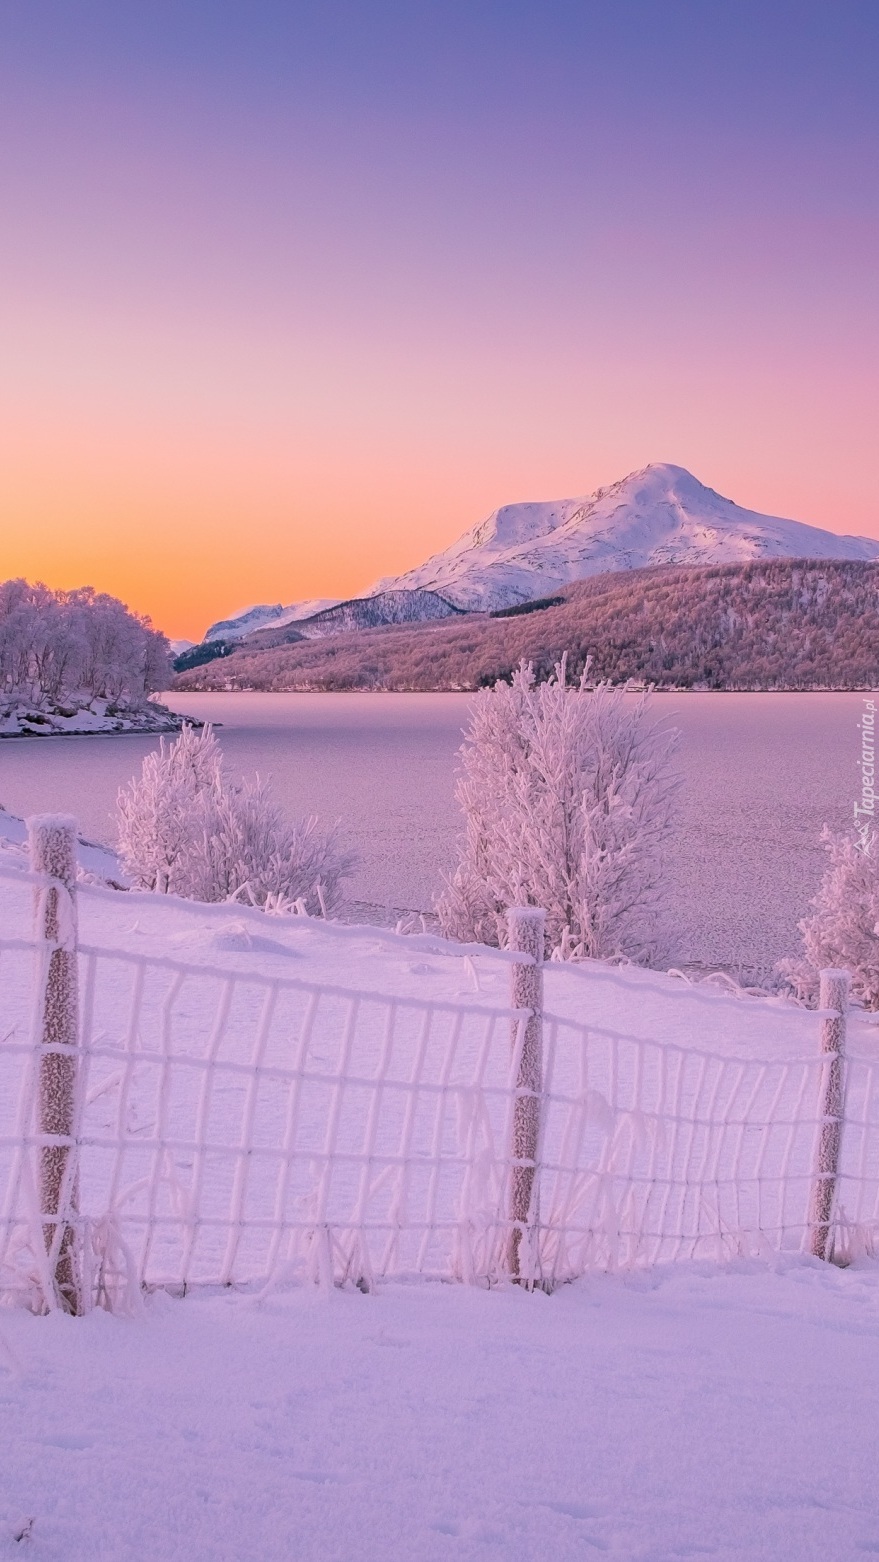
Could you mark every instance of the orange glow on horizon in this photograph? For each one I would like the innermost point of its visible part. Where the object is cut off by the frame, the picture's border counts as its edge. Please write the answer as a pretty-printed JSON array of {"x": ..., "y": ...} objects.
[
  {"x": 189, "y": 528},
  {"x": 267, "y": 339}
]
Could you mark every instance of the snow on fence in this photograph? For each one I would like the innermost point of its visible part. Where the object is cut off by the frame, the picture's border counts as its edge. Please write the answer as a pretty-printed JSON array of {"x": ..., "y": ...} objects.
[{"x": 216, "y": 1127}]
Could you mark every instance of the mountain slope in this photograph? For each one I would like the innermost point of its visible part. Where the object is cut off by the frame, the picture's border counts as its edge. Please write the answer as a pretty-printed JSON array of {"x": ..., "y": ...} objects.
[
  {"x": 772, "y": 624},
  {"x": 383, "y": 607},
  {"x": 265, "y": 617},
  {"x": 662, "y": 515}
]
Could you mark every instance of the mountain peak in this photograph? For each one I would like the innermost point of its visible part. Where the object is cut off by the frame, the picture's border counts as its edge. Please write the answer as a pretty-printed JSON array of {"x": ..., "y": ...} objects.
[{"x": 661, "y": 514}]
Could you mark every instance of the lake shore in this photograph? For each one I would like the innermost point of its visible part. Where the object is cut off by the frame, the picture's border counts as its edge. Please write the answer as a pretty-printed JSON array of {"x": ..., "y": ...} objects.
[
  {"x": 44, "y": 718},
  {"x": 761, "y": 775}
]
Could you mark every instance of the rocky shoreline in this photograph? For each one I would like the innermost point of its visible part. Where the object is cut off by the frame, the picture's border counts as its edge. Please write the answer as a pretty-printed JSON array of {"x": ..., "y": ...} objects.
[{"x": 40, "y": 718}]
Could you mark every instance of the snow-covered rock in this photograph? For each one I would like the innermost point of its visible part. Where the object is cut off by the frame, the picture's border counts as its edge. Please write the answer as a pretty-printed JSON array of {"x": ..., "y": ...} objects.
[
  {"x": 47, "y": 719},
  {"x": 662, "y": 515}
]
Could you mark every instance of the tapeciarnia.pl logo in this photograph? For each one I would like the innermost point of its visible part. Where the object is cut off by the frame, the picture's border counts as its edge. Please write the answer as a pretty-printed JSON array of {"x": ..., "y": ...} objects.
[{"x": 866, "y": 808}]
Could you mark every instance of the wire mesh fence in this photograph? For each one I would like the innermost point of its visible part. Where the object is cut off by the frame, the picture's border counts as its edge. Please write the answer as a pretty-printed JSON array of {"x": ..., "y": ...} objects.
[{"x": 232, "y": 1128}]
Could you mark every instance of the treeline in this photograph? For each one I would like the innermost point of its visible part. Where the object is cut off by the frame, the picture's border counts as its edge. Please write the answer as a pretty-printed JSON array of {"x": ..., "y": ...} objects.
[
  {"x": 774, "y": 624},
  {"x": 61, "y": 646}
]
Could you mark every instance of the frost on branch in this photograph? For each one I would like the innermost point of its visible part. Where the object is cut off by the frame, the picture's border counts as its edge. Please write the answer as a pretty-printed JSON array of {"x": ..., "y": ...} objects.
[
  {"x": 843, "y": 930},
  {"x": 568, "y": 800},
  {"x": 185, "y": 829}
]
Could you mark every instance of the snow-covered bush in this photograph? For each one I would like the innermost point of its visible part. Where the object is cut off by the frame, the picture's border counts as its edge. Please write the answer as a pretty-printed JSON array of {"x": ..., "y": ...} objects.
[
  {"x": 843, "y": 930},
  {"x": 59, "y": 645},
  {"x": 185, "y": 829},
  {"x": 568, "y": 800}
]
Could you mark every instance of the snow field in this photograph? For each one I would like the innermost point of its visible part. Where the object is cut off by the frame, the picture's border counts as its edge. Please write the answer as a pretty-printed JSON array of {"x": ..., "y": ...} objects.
[
  {"x": 689, "y": 1409},
  {"x": 691, "y": 1412}
]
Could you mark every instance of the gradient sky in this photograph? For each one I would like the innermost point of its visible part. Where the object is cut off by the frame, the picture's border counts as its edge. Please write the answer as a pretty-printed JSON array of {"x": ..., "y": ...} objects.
[{"x": 291, "y": 294}]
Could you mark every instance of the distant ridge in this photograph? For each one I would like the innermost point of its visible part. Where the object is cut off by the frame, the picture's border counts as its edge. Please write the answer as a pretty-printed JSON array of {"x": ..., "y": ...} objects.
[
  {"x": 385, "y": 607},
  {"x": 661, "y": 515},
  {"x": 359, "y": 613},
  {"x": 263, "y": 617},
  {"x": 769, "y": 624}
]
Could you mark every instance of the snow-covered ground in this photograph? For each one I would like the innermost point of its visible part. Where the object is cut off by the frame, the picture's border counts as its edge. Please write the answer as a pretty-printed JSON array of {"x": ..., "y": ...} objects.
[
  {"x": 691, "y": 1410},
  {"x": 97, "y": 860},
  {"x": 630, "y": 1000},
  {"x": 687, "y": 1413}
]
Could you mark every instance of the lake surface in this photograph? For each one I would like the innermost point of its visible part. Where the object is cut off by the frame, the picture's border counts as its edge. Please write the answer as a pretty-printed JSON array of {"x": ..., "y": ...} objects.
[{"x": 762, "y": 773}]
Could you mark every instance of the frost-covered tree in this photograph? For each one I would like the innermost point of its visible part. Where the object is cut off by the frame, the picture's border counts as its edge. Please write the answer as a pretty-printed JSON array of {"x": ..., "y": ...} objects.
[
  {"x": 568, "y": 800},
  {"x": 185, "y": 829},
  {"x": 64, "y": 645},
  {"x": 161, "y": 814},
  {"x": 843, "y": 930}
]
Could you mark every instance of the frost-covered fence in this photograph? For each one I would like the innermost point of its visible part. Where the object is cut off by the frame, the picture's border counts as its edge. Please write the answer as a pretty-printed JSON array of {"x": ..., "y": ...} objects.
[
  {"x": 236, "y": 1129},
  {"x": 52, "y": 841},
  {"x": 233, "y": 1127},
  {"x": 652, "y": 1153},
  {"x": 835, "y": 987},
  {"x": 526, "y": 927}
]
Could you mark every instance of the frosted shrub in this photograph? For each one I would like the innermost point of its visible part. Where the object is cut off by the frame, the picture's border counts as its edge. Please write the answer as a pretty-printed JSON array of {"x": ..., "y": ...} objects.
[
  {"x": 568, "y": 800},
  {"x": 185, "y": 829},
  {"x": 843, "y": 931}
]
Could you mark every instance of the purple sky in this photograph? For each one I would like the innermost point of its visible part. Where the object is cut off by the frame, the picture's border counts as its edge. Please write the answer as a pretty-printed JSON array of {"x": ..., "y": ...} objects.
[{"x": 292, "y": 294}]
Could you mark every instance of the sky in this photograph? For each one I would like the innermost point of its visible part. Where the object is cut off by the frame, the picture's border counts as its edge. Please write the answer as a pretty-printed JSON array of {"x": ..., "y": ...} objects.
[{"x": 291, "y": 294}]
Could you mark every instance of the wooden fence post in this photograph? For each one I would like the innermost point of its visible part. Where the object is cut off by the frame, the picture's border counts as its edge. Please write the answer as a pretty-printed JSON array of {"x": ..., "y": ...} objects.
[
  {"x": 525, "y": 925},
  {"x": 833, "y": 994},
  {"x": 52, "y": 839}
]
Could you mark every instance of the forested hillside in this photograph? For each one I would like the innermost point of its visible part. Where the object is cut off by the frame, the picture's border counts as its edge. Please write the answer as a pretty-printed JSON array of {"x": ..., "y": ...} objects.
[{"x": 778, "y": 624}]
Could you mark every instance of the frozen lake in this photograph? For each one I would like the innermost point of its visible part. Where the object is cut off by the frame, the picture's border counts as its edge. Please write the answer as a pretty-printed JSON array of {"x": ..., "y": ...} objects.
[{"x": 762, "y": 773}]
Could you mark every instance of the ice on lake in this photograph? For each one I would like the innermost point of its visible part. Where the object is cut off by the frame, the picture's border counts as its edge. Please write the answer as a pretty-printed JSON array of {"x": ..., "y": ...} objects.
[{"x": 762, "y": 773}]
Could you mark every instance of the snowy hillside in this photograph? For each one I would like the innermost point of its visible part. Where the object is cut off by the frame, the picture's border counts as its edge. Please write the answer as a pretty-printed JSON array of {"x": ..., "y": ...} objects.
[
  {"x": 375, "y": 612},
  {"x": 266, "y": 617},
  {"x": 724, "y": 1414},
  {"x": 662, "y": 515},
  {"x": 284, "y": 626}
]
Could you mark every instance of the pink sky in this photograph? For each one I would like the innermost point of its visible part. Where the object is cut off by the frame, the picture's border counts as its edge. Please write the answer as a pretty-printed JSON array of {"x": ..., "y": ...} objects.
[{"x": 275, "y": 333}]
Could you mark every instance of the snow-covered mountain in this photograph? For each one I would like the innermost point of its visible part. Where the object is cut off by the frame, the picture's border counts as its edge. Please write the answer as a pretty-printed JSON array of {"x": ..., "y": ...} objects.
[
  {"x": 265, "y": 617},
  {"x": 662, "y": 515}
]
